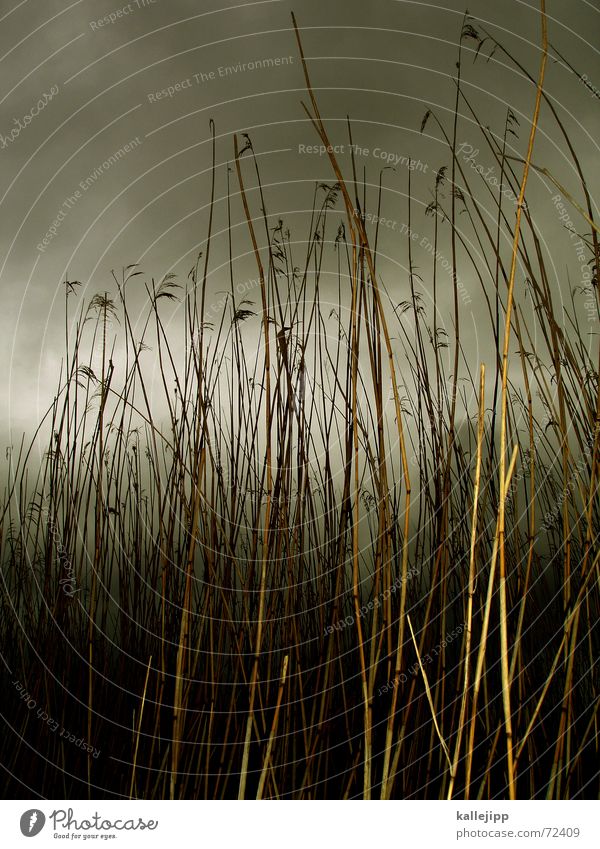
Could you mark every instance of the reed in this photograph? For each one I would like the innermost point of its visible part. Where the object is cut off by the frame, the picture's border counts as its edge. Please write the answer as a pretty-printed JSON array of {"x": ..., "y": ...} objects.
[{"x": 337, "y": 557}]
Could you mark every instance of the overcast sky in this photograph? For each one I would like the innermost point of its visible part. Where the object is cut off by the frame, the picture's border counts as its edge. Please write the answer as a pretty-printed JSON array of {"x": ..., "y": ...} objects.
[{"x": 104, "y": 131}]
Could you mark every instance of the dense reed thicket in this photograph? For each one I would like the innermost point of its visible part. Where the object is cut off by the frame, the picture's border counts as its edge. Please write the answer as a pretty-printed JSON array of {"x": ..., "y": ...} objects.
[{"x": 339, "y": 557}]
